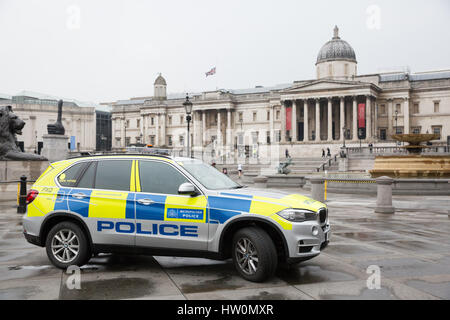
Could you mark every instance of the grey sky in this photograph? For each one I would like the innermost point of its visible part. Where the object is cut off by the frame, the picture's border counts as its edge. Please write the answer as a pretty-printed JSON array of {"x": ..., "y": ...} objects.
[{"x": 120, "y": 46}]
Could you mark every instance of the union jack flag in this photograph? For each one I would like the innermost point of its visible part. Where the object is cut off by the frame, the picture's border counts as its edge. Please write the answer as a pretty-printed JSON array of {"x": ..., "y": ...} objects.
[{"x": 211, "y": 72}]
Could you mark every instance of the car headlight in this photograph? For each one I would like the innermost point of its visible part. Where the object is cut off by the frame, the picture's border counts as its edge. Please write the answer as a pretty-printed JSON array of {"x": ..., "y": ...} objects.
[{"x": 298, "y": 215}]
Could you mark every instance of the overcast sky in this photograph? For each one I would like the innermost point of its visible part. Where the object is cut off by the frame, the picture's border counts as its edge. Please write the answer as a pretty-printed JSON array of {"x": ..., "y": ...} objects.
[{"x": 105, "y": 50}]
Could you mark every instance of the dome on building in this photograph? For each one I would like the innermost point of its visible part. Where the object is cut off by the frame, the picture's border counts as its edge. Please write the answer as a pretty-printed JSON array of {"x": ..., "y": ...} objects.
[
  {"x": 160, "y": 80},
  {"x": 336, "y": 49}
]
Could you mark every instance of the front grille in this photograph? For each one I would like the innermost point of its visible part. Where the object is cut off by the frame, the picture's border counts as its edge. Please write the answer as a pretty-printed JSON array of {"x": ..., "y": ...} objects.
[{"x": 323, "y": 215}]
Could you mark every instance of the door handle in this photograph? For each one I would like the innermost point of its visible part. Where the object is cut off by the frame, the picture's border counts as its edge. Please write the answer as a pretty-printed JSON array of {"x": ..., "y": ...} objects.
[
  {"x": 79, "y": 195},
  {"x": 145, "y": 202}
]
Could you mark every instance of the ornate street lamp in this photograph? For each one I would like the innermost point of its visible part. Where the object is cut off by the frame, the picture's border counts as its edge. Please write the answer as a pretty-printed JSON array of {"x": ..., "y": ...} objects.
[{"x": 188, "y": 107}]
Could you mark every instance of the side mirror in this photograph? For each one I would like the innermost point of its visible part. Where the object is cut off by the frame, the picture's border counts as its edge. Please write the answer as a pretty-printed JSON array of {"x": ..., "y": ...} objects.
[{"x": 187, "y": 189}]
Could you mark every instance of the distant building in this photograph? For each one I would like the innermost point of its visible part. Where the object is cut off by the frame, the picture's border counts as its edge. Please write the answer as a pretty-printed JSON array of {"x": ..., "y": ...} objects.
[
  {"x": 103, "y": 131},
  {"x": 38, "y": 110},
  {"x": 310, "y": 113}
]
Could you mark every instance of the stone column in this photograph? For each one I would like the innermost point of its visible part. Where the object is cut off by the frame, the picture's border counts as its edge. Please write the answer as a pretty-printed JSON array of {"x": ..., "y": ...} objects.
[
  {"x": 219, "y": 132},
  {"x": 390, "y": 115},
  {"x": 203, "y": 128},
  {"x": 375, "y": 120},
  {"x": 330, "y": 119},
  {"x": 294, "y": 121},
  {"x": 122, "y": 132},
  {"x": 163, "y": 129},
  {"x": 355, "y": 120},
  {"x": 368, "y": 117},
  {"x": 229, "y": 142},
  {"x": 144, "y": 128},
  {"x": 406, "y": 116},
  {"x": 317, "y": 120},
  {"x": 384, "y": 195},
  {"x": 157, "y": 137},
  {"x": 305, "y": 121},
  {"x": 271, "y": 126},
  {"x": 283, "y": 122},
  {"x": 341, "y": 118}
]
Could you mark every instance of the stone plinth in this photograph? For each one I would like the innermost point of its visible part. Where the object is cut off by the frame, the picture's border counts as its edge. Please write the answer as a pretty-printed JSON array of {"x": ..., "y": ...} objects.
[
  {"x": 12, "y": 170},
  {"x": 260, "y": 182},
  {"x": 411, "y": 166},
  {"x": 384, "y": 195},
  {"x": 55, "y": 147},
  {"x": 318, "y": 188}
]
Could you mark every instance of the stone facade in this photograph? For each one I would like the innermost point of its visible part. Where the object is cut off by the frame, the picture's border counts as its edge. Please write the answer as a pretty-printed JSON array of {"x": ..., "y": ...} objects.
[
  {"x": 38, "y": 113},
  {"x": 303, "y": 116}
]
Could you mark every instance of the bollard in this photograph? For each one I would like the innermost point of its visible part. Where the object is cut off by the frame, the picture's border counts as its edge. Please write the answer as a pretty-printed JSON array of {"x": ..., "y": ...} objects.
[
  {"x": 384, "y": 195},
  {"x": 22, "y": 208},
  {"x": 260, "y": 182},
  {"x": 317, "y": 188}
]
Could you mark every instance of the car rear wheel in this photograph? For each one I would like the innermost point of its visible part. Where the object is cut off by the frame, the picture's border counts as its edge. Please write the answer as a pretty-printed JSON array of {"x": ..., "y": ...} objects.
[
  {"x": 67, "y": 245},
  {"x": 254, "y": 254}
]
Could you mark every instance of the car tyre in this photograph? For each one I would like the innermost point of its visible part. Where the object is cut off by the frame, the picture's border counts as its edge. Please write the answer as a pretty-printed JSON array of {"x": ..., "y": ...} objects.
[
  {"x": 254, "y": 254},
  {"x": 67, "y": 245}
]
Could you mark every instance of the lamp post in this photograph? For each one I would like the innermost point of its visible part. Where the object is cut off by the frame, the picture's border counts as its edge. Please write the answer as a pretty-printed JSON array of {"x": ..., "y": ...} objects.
[
  {"x": 343, "y": 135},
  {"x": 188, "y": 107}
]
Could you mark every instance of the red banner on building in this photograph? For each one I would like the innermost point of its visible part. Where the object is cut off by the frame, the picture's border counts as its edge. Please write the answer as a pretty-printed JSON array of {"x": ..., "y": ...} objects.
[
  {"x": 288, "y": 118},
  {"x": 361, "y": 115}
]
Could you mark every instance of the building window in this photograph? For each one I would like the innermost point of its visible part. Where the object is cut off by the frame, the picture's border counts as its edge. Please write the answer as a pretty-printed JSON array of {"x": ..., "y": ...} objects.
[
  {"x": 127, "y": 124},
  {"x": 241, "y": 117},
  {"x": 415, "y": 108},
  {"x": 169, "y": 139},
  {"x": 152, "y": 140},
  {"x": 383, "y": 109},
  {"x": 181, "y": 140},
  {"x": 382, "y": 134},
  {"x": 398, "y": 108},
  {"x": 170, "y": 120},
  {"x": 398, "y": 130},
  {"x": 255, "y": 137},
  {"x": 181, "y": 119},
  {"x": 138, "y": 123},
  {"x": 127, "y": 141},
  {"x": 278, "y": 115},
  {"x": 436, "y": 107},
  {"x": 437, "y": 130},
  {"x": 254, "y": 116},
  {"x": 152, "y": 121},
  {"x": 268, "y": 115},
  {"x": 268, "y": 137},
  {"x": 277, "y": 135},
  {"x": 416, "y": 130}
]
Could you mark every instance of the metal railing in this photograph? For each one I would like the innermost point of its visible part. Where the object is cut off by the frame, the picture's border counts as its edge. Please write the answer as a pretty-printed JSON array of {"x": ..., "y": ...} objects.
[{"x": 327, "y": 163}]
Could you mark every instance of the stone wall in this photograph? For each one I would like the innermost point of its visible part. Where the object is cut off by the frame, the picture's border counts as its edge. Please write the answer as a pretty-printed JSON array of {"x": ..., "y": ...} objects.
[{"x": 13, "y": 170}]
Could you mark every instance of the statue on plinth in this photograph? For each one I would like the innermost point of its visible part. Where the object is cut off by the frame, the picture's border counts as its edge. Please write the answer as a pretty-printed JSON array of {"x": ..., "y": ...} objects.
[
  {"x": 57, "y": 127},
  {"x": 10, "y": 126}
]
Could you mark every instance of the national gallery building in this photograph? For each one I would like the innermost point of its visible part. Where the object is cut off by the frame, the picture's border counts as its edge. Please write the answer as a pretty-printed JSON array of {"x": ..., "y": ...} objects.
[{"x": 303, "y": 117}]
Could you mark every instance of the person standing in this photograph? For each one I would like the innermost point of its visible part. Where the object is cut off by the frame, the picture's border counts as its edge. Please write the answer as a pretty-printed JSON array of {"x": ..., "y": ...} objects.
[
  {"x": 287, "y": 153},
  {"x": 240, "y": 170},
  {"x": 323, "y": 154},
  {"x": 328, "y": 153}
]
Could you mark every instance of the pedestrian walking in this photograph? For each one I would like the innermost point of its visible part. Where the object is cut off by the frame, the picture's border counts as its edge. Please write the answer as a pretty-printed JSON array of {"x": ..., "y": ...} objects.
[
  {"x": 323, "y": 154},
  {"x": 240, "y": 170},
  {"x": 287, "y": 153},
  {"x": 328, "y": 153}
]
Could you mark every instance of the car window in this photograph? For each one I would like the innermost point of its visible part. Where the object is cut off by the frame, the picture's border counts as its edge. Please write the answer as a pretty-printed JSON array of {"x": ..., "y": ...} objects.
[
  {"x": 69, "y": 178},
  {"x": 87, "y": 180},
  {"x": 159, "y": 177},
  {"x": 113, "y": 175}
]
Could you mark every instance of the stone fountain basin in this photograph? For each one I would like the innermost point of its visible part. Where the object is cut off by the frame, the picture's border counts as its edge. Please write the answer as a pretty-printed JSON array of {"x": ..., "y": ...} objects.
[{"x": 415, "y": 138}]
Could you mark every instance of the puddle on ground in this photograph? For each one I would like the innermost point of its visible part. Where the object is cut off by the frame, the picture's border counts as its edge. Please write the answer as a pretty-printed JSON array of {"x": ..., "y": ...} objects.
[
  {"x": 264, "y": 295},
  {"x": 118, "y": 288},
  {"x": 311, "y": 274},
  {"x": 222, "y": 283}
]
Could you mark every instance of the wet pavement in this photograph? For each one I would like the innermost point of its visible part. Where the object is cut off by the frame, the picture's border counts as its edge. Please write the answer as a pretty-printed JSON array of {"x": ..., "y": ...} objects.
[{"x": 411, "y": 249}]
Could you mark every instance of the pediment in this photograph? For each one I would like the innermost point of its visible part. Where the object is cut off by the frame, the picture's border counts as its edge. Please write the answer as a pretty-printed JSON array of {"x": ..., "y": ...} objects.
[{"x": 324, "y": 85}]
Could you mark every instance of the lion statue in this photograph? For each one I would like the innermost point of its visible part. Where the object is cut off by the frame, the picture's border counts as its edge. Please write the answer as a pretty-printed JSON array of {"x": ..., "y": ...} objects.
[{"x": 10, "y": 125}]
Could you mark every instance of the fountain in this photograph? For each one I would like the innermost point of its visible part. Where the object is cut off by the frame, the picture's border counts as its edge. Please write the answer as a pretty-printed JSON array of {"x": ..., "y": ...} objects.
[{"x": 414, "y": 164}]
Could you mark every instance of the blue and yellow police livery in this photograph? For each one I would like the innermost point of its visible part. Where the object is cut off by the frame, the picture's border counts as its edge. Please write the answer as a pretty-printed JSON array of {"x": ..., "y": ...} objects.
[{"x": 161, "y": 205}]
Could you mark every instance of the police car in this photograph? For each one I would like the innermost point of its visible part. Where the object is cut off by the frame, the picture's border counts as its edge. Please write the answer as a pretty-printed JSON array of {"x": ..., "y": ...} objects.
[{"x": 161, "y": 205}]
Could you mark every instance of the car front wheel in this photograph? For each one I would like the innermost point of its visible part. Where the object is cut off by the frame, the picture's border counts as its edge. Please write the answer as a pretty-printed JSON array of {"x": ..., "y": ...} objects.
[
  {"x": 254, "y": 254},
  {"x": 66, "y": 245}
]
